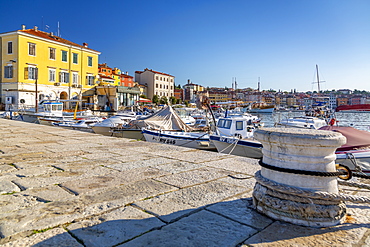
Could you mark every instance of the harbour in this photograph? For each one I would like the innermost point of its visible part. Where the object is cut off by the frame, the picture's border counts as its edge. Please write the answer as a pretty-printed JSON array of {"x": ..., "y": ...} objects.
[{"x": 72, "y": 188}]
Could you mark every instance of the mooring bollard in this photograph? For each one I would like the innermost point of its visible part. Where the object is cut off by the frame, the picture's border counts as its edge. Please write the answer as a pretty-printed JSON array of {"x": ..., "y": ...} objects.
[{"x": 298, "y": 172}]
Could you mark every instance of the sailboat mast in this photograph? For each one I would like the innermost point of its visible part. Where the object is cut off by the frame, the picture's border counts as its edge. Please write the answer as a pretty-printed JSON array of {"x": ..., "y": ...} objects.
[{"x": 318, "y": 80}]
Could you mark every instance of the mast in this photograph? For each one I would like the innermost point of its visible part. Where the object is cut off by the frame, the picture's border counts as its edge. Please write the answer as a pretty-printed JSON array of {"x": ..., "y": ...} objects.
[{"x": 318, "y": 80}]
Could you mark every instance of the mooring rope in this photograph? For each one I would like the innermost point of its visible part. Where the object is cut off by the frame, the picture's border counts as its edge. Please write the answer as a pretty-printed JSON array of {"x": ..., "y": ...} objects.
[{"x": 320, "y": 195}]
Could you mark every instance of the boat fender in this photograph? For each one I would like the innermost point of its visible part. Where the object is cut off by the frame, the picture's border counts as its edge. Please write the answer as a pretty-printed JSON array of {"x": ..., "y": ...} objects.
[{"x": 238, "y": 136}]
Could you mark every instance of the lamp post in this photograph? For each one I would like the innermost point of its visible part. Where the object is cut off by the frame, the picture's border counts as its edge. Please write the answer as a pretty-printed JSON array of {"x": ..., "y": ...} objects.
[{"x": 37, "y": 96}]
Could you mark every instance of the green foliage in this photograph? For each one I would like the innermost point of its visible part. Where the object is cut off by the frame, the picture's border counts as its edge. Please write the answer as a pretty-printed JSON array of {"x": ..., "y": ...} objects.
[
  {"x": 163, "y": 100},
  {"x": 155, "y": 99},
  {"x": 173, "y": 100}
]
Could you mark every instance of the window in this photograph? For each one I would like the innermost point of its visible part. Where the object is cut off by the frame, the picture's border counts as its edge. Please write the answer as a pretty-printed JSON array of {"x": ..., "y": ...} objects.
[
  {"x": 52, "y": 75},
  {"x": 227, "y": 124},
  {"x": 75, "y": 78},
  {"x": 89, "y": 61},
  {"x": 156, "y": 85},
  {"x": 75, "y": 58},
  {"x": 32, "y": 49},
  {"x": 64, "y": 77},
  {"x": 52, "y": 53},
  {"x": 90, "y": 80},
  {"x": 239, "y": 125},
  {"x": 32, "y": 73},
  {"x": 64, "y": 56},
  {"x": 156, "y": 77},
  {"x": 220, "y": 123},
  {"x": 8, "y": 71},
  {"x": 10, "y": 47}
]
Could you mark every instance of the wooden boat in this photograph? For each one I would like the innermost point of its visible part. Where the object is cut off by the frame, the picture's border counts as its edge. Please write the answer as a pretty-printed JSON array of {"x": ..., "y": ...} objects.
[
  {"x": 198, "y": 140},
  {"x": 164, "y": 119}
]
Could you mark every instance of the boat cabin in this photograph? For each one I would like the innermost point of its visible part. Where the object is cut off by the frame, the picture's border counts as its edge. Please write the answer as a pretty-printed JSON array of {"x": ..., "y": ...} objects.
[
  {"x": 235, "y": 126},
  {"x": 54, "y": 109}
]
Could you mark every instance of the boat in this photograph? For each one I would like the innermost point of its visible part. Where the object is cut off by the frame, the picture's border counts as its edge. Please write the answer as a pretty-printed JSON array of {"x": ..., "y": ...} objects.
[
  {"x": 261, "y": 108},
  {"x": 355, "y": 153},
  {"x": 121, "y": 119},
  {"x": 303, "y": 122},
  {"x": 164, "y": 119},
  {"x": 235, "y": 136},
  {"x": 353, "y": 108},
  {"x": 83, "y": 124},
  {"x": 198, "y": 140}
]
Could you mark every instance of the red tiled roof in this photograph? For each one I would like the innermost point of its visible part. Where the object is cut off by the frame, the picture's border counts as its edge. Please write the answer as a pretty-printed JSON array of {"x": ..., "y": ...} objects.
[
  {"x": 156, "y": 72},
  {"x": 48, "y": 36},
  {"x": 126, "y": 76}
]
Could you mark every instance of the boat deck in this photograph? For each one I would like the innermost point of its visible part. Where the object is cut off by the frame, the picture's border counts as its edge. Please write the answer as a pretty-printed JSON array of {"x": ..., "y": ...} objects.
[{"x": 62, "y": 187}]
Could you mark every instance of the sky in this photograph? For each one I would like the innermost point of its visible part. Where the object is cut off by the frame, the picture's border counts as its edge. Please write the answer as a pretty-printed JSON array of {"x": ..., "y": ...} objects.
[{"x": 215, "y": 42}]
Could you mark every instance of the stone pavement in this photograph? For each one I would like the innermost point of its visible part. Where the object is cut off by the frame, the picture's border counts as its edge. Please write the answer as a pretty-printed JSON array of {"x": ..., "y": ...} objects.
[{"x": 68, "y": 188}]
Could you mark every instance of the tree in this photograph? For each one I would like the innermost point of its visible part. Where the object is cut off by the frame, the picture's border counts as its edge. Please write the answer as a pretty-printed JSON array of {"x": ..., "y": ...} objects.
[
  {"x": 155, "y": 99},
  {"x": 186, "y": 103},
  {"x": 143, "y": 96},
  {"x": 163, "y": 100},
  {"x": 173, "y": 100}
]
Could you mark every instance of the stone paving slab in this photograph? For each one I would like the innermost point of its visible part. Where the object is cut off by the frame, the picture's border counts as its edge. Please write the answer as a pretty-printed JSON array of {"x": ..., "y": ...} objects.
[{"x": 68, "y": 188}]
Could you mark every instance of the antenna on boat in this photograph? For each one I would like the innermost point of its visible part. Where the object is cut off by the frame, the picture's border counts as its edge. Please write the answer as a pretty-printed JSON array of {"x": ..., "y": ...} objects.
[{"x": 259, "y": 84}]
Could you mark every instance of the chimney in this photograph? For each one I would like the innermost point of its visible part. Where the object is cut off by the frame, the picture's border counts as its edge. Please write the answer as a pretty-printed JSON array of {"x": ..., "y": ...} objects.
[
  {"x": 35, "y": 28},
  {"x": 23, "y": 27},
  {"x": 126, "y": 72},
  {"x": 51, "y": 34},
  {"x": 84, "y": 44}
]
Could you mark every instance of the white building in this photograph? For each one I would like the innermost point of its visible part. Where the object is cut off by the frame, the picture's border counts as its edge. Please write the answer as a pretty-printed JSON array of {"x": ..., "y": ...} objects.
[{"x": 157, "y": 83}]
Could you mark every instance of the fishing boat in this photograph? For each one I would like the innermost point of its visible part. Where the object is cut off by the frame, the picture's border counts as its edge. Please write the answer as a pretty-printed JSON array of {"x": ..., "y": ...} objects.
[
  {"x": 261, "y": 108},
  {"x": 235, "y": 136},
  {"x": 198, "y": 140},
  {"x": 164, "y": 119}
]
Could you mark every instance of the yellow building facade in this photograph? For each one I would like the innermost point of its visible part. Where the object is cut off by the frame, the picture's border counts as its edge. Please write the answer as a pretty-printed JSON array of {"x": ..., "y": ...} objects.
[{"x": 37, "y": 65}]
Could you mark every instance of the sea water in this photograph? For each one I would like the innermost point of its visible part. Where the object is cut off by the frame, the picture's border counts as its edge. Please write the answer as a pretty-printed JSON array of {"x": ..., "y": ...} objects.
[{"x": 358, "y": 120}]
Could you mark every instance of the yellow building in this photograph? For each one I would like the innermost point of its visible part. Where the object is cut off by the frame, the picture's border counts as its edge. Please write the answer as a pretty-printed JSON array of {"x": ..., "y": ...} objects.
[{"x": 37, "y": 65}]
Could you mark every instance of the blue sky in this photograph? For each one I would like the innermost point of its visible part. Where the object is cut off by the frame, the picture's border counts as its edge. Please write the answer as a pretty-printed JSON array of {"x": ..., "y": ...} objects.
[{"x": 212, "y": 42}]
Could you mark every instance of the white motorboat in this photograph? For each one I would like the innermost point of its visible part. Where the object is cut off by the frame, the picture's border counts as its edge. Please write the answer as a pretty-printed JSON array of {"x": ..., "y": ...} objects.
[
  {"x": 355, "y": 153},
  {"x": 121, "y": 119},
  {"x": 198, "y": 140},
  {"x": 83, "y": 124},
  {"x": 235, "y": 136},
  {"x": 303, "y": 122}
]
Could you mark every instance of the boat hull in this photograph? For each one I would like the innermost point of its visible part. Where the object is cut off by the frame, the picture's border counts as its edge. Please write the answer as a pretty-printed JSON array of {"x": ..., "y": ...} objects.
[
  {"x": 236, "y": 146},
  {"x": 361, "y": 157},
  {"x": 183, "y": 139},
  {"x": 102, "y": 130},
  {"x": 266, "y": 110},
  {"x": 128, "y": 133}
]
